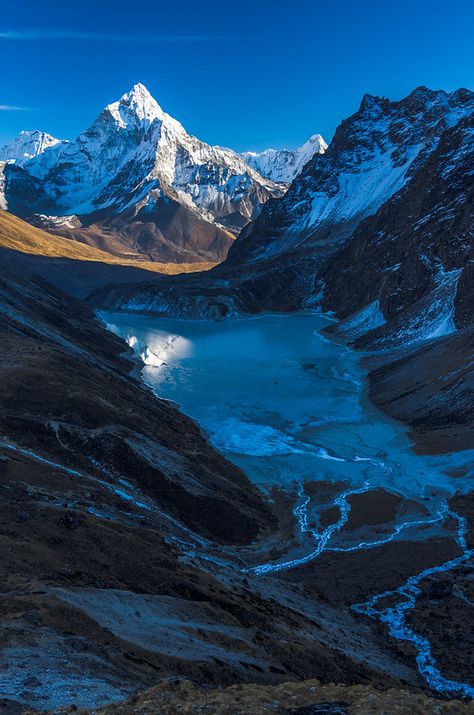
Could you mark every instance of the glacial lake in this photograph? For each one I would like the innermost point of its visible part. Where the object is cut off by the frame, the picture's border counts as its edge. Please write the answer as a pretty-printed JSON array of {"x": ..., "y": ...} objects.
[{"x": 281, "y": 400}]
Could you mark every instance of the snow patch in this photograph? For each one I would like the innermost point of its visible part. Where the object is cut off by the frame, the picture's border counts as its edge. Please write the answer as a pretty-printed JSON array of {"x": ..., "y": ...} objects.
[
  {"x": 362, "y": 322},
  {"x": 160, "y": 349},
  {"x": 430, "y": 318}
]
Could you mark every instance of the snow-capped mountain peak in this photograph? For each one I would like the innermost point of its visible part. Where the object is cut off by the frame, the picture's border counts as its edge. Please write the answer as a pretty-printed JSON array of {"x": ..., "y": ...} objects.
[
  {"x": 283, "y": 165},
  {"x": 28, "y": 145},
  {"x": 314, "y": 145},
  {"x": 136, "y": 105}
]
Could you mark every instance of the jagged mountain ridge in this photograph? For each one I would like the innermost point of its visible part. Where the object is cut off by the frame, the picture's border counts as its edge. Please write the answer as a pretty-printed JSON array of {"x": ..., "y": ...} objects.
[
  {"x": 30, "y": 144},
  {"x": 373, "y": 154}
]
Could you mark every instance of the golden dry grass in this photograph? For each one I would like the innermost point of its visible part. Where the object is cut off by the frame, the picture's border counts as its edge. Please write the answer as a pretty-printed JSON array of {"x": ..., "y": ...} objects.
[
  {"x": 18, "y": 235},
  {"x": 185, "y": 698}
]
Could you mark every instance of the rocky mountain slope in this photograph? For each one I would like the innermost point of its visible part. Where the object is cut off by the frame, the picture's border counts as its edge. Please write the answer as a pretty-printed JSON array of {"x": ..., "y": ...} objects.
[
  {"x": 284, "y": 165},
  {"x": 71, "y": 265},
  {"x": 136, "y": 176},
  {"x": 430, "y": 388},
  {"x": 373, "y": 154},
  {"x": 404, "y": 284},
  {"x": 109, "y": 496},
  {"x": 410, "y": 266},
  {"x": 19, "y": 236}
]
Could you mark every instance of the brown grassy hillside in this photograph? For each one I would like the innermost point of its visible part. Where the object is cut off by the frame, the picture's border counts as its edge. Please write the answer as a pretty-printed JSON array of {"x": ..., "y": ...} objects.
[
  {"x": 304, "y": 698},
  {"x": 17, "y": 235}
]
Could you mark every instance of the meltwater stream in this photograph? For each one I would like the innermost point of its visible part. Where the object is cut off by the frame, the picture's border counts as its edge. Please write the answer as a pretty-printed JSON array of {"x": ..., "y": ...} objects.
[{"x": 288, "y": 406}]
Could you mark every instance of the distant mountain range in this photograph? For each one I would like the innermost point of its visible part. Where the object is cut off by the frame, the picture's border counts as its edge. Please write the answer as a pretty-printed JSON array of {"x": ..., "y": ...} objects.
[
  {"x": 136, "y": 182},
  {"x": 29, "y": 145},
  {"x": 284, "y": 165}
]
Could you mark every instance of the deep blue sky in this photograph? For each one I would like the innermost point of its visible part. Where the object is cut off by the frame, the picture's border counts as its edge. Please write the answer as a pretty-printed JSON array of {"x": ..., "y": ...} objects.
[{"x": 246, "y": 74}]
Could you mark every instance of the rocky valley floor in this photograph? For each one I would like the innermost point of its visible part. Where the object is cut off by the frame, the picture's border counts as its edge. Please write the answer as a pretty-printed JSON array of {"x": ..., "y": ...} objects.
[
  {"x": 132, "y": 551},
  {"x": 122, "y": 530}
]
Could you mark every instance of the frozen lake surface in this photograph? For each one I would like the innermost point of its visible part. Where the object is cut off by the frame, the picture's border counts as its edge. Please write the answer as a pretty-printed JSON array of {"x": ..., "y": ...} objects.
[{"x": 280, "y": 400}]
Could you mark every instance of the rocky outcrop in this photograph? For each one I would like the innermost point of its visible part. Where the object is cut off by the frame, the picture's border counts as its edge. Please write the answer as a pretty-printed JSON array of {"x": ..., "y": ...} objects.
[{"x": 414, "y": 257}]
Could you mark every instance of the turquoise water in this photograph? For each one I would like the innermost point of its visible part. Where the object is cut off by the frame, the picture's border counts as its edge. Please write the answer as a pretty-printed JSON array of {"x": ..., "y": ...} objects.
[{"x": 281, "y": 401}]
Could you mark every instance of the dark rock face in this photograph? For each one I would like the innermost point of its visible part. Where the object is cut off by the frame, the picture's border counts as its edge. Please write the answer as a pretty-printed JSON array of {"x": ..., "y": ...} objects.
[
  {"x": 440, "y": 589},
  {"x": 10, "y": 707},
  {"x": 431, "y": 388},
  {"x": 417, "y": 245}
]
